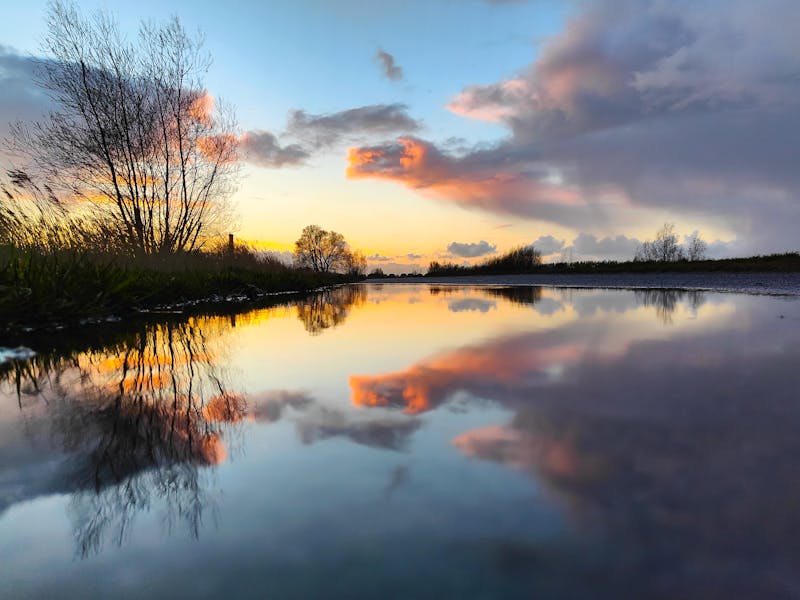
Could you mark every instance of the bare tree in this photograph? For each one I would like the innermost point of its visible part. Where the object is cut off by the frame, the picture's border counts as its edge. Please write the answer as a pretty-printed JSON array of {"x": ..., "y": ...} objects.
[
  {"x": 356, "y": 263},
  {"x": 135, "y": 133},
  {"x": 326, "y": 252},
  {"x": 696, "y": 247},
  {"x": 664, "y": 248}
]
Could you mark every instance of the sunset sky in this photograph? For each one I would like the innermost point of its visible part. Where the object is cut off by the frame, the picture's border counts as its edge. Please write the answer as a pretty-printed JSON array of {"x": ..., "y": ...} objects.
[{"x": 454, "y": 129}]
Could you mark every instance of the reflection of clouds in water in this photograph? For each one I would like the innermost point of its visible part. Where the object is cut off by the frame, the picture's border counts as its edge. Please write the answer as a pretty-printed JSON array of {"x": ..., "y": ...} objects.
[
  {"x": 679, "y": 453},
  {"x": 471, "y": 305},
  {"x": 548, "y": 306},
  {"x": 398, "y": 478},
  {"x": 588, "y": 303},
  {"x": 269, "y": 406},
  {"x": 479, "y": 370},
  {"x": 388, "y": 432}
]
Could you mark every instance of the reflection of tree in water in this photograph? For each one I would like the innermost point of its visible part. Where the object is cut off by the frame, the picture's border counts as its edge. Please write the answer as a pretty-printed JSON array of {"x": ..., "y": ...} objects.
[
  {"x": 521, "y": 294},
  {"x": 136, "y": 420},
  {"x": 445, "y": 290},
  {"x": 666, "y": 301},
  {"x": 518, "y": 294},
  {"x": 329, "y": 308}
]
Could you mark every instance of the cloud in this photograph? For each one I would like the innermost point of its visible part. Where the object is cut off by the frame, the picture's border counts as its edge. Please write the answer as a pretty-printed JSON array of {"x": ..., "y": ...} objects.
[
  {"x": 494, "y": 102},
  {"x": 547, "y": 244},
  {"x": 678, "y": 107},
  {"x": 20, "y": 98},
  {"x": 398, "y": 268},
  {"x": 477, "y": 180},
  {"x": 262, "y": 148},
  {"x": 311, "y": 133},
  {"x": 609, "y": 247},
  {"x": 378, "y": 258},
  {"x": 388, "y": 65},
  {"x": 324, "y": 130},
  {"x": 269, "y": 406},
  {"x": 471, "y": 250}
]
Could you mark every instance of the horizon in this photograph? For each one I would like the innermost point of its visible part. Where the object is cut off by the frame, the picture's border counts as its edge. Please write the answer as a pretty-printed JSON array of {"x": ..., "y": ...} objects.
[{"x": 580, "y": 127}]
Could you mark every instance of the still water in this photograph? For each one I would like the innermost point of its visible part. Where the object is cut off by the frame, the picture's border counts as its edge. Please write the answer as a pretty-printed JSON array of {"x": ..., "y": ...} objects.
[{"x": 412, "y": 441}]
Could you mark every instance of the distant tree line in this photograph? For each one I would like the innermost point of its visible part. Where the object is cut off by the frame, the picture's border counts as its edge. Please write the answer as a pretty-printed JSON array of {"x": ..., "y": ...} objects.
[{"x": 522, "y": 259}]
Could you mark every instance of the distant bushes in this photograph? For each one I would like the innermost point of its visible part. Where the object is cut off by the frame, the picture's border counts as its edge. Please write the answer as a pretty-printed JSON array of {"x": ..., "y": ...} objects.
[
  {"x": 779, "y": 263},
  {"x": 523, "y": 259}
]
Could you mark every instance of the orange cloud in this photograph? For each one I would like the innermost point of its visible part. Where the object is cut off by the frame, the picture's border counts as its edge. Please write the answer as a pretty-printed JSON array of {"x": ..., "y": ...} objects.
[
  {"x": 212, "y": 449},
  {"x": 496, "y": 102},
  {"x": 521, "y": 450},
  {"x": 225, "y": 408},
  {"x": 476, "y": 181},
  {"x": 201, "y": 108},
  {"x": 219, "y": 148},
  {"x": 426, "y": 385}
]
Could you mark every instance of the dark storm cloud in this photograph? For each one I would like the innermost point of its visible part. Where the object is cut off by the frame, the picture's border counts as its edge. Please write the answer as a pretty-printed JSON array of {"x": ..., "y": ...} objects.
[
  {"x": 388, "y": 65},
  {"x": 672, "y": 106},
  {"x": 471, "y": 250}
]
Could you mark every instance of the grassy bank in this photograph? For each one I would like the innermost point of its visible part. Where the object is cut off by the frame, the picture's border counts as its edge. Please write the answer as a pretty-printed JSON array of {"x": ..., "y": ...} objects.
[
  {"x": 38, "y": 287},
  {"x": 786, "y": 263}
]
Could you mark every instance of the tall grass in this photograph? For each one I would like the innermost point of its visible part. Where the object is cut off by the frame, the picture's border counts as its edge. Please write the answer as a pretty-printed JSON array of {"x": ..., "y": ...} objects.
[
  {"x": 39, "y": 285},
  {"x": 57, "y": 267}
]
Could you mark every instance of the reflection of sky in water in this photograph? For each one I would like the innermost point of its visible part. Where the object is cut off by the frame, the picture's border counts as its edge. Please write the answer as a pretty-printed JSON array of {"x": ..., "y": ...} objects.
[{"x": 418, "y": 440}]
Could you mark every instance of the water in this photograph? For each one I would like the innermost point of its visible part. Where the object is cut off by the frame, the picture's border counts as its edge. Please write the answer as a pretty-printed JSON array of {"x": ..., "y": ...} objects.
[{"x": 412, "y": 441}]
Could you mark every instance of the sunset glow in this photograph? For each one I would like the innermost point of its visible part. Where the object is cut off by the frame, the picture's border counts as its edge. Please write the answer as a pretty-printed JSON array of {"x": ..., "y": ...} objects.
[{"x": 567, "y": 137}]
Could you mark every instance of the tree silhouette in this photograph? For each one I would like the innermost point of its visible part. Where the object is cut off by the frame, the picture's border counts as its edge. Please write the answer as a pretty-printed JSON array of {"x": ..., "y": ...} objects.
[
  {"x": 326, "y": 252},
  {"x": 134, "y": 133}
]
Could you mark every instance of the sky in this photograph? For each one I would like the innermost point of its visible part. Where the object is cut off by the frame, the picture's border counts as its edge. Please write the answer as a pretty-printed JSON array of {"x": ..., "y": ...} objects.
[{"x": 458, "y": 129}]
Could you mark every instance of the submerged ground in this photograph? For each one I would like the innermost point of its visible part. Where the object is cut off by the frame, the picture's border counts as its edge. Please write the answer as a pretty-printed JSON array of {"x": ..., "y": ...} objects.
[{"x": 414, "y": 441}]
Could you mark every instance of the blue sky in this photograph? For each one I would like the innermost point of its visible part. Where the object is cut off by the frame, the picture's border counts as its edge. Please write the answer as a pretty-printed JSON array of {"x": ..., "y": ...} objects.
[{"x": 271, "y": 57}]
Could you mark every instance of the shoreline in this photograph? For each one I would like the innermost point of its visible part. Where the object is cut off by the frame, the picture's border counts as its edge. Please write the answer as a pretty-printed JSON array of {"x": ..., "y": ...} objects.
[{"x": 756, "y": 283}]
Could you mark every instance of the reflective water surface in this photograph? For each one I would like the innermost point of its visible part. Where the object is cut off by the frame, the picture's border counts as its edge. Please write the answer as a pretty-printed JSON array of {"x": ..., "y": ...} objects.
[{"x": 412, "y": 441}]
